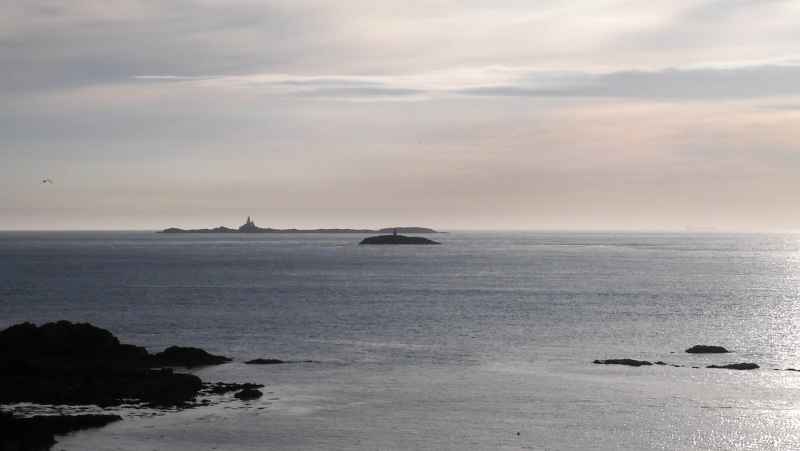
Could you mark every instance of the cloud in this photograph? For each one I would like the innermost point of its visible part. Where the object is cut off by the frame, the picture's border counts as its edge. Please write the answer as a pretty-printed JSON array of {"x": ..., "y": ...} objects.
[{"x": 728, "y": 81}]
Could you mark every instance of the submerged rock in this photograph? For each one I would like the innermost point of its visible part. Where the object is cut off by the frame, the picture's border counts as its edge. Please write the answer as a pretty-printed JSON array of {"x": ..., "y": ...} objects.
[
  {"x": 628, "y": 362},
  {"x": 737, "y": 366},
  {"x": 705, "y": 349}
]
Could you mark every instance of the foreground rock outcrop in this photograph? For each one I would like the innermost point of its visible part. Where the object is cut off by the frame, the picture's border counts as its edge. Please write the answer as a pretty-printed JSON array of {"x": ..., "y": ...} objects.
[
  {"x": 38, "y": 432},
  {"x": 79, "y": 364}
]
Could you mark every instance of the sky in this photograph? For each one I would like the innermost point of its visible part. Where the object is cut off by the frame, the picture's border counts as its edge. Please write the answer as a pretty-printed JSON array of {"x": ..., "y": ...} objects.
[{"x": 451, "y": 114}]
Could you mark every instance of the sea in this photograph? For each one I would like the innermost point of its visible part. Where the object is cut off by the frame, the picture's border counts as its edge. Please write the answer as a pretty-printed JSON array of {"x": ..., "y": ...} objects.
[{"x": 485, "y": 342}]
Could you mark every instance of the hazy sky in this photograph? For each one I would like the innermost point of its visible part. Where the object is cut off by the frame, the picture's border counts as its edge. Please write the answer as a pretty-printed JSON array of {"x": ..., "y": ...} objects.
[{"x": 447, "y": 114}]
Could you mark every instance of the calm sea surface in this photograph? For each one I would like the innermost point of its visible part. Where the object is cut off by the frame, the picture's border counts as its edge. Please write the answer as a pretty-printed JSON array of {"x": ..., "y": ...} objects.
[{"x": 485, "y": 342}]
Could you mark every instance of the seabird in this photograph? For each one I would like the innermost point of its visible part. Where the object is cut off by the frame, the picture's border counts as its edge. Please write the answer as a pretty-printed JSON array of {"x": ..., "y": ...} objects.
[{"x": 47, "y": 181}]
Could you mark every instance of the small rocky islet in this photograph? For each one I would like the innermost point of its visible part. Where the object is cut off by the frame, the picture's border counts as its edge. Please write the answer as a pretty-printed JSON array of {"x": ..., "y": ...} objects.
[
  {"x": 78, "y": 364},
  {"x": 397, "y": 239}
]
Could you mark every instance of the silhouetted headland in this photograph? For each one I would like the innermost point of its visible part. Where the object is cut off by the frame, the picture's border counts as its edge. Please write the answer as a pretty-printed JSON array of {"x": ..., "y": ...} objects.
[
  {"x": 251, "y": 227},
  {"x": 66, "y": 364}
]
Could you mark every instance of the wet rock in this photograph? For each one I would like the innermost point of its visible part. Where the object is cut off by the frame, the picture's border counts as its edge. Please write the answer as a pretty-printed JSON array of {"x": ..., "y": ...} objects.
[
  {"x": 264, "y": 362},
  {"x": 628, "y": 362},
  {"x": 37, "y": 433},
  {"x": 221, "y": 388},
  {"x": 186, "y": 357},
  {"x": 705, "y": 349},
  {"x": 737, "y": 366},
  {"x": 101, "y": 386},
  {"x": 248, "y": 394}
]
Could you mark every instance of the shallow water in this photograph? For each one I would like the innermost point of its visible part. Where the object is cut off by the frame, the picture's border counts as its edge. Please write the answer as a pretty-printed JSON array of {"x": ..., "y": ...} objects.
[{"x": 484, "y": 342}]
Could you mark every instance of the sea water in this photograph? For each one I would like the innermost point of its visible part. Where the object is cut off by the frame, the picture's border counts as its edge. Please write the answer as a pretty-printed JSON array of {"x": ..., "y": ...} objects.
[{"x": 483, "y": 342}]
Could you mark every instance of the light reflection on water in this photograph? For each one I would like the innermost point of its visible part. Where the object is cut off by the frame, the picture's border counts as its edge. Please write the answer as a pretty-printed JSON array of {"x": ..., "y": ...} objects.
[{"x": 459, "y": 346}]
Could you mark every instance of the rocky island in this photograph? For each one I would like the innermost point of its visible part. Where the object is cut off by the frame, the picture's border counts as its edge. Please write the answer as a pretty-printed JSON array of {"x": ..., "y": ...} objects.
[
  {"x": 397, "y": 239},
  {"x": 251, "y": 227}
]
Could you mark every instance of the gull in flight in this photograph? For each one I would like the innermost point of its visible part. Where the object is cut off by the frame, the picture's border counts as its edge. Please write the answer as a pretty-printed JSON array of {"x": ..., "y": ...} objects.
[{"x": 47, "y": 181}]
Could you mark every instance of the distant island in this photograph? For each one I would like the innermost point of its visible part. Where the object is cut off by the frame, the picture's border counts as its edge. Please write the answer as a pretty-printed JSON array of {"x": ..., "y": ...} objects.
[
  {"x": 250, "y": 227},
  {"x": 397, "y": 239}
]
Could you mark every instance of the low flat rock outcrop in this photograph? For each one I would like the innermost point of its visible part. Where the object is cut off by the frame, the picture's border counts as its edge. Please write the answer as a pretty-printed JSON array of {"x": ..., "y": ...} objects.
[
  {"x": 397, "y": 239},
  {"x": 220, "y": 388},
  {"x": 705, "y": 349},
  {"x": 737, "y": 366},
  {"x": 628, "y": 362},
  {"x": 264, "y": 362},
  {"x": 186, "y": 357}
]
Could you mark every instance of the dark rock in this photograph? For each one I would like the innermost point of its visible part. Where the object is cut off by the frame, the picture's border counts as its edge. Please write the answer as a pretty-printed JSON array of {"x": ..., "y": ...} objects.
[
  {"x": 221, "y": 388},
  {"x": 705, "y": 349},
  {"x": 80, "y": 364},
  {"x": 264, "y": 362},
  {"x": 66, "y": 345},
  {"x": 397, "y": 239},
  {"x": 37, "y": 433},
  {"x": 248, "y": 394},
  {"x": 660, "y": 363},
  {"x": 100, "y": 386},
  {"x": 628, "y": 362},
  {"x": 737, "y": 366},
  {"x": 185, "y": 356}
]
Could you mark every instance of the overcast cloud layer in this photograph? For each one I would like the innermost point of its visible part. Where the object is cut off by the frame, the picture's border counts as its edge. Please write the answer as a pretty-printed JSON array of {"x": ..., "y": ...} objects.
[{"x": 448, "y": 114}]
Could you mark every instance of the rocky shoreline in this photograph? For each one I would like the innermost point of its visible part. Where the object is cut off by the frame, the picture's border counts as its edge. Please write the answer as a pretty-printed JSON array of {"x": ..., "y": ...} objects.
[{"x": 67, "y": 364}]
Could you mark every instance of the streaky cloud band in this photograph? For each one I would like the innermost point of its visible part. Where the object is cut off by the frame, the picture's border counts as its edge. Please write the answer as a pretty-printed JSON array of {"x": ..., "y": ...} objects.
[{"x": 726, "y": 81}]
